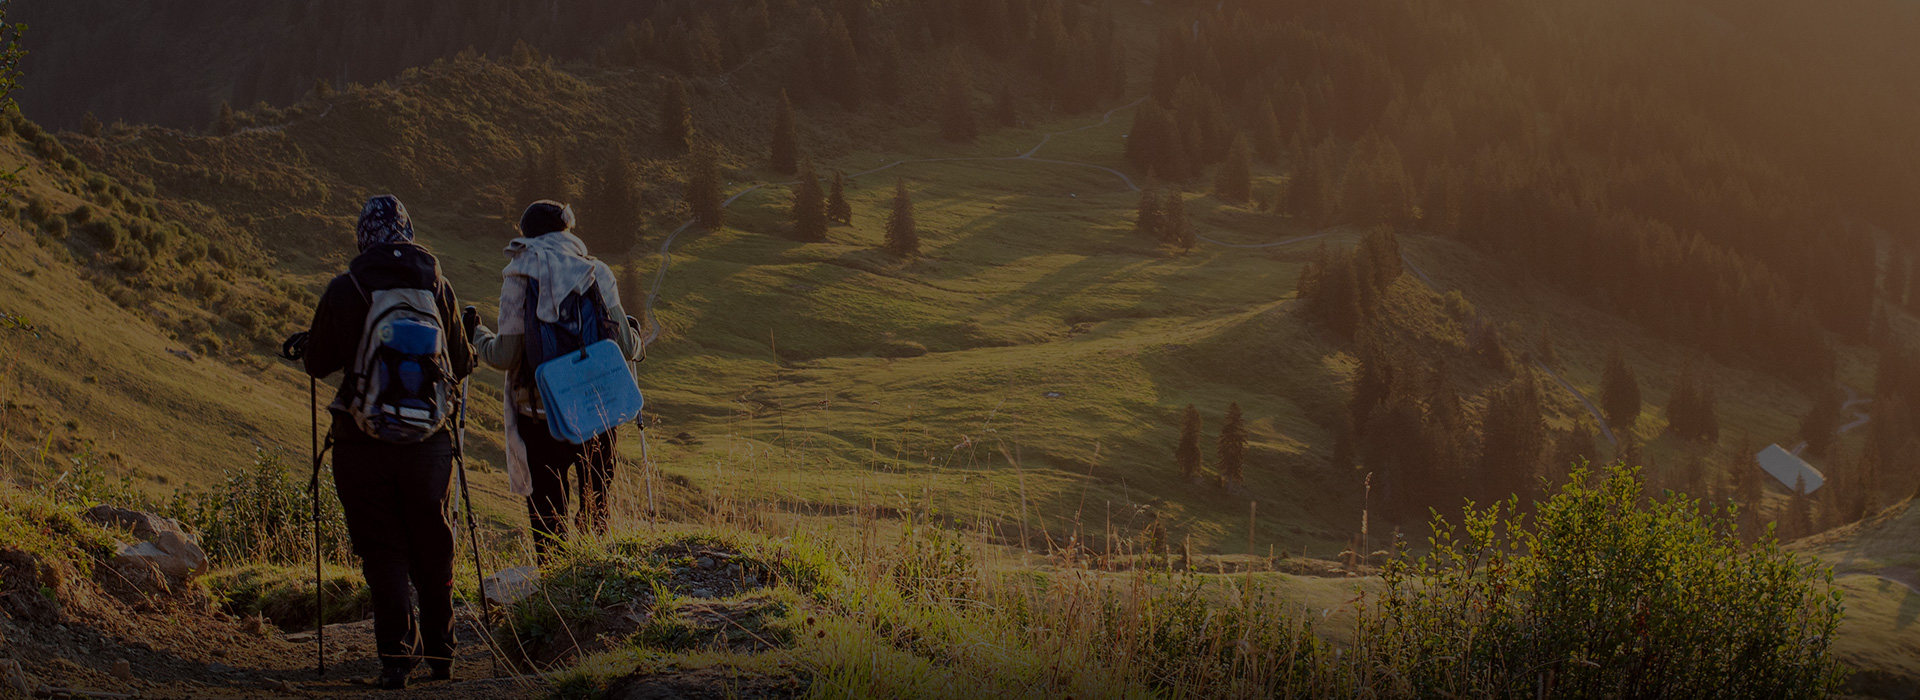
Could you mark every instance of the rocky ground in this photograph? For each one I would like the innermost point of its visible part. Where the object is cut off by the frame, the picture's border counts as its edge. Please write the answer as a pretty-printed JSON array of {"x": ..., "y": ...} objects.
[{"x": 118, "y": 630}]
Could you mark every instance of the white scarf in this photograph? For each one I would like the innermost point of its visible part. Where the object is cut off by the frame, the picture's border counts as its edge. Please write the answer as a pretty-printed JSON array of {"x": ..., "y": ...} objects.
[{"x": 558, "y": 261}]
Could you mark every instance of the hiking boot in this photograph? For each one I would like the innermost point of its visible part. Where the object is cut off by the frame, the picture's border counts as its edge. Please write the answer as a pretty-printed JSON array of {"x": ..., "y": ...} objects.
[
  {"x": 442, "y": 670},
  {"x": 394, "y": 679}
]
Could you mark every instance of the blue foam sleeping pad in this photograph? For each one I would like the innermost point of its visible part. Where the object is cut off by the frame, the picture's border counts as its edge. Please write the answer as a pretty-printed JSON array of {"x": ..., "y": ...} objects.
[{"x": 588, "y": 392}]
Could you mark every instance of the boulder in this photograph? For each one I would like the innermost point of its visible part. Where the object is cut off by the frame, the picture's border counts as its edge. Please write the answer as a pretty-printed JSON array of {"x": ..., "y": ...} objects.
[
  {"x": 509, "y": 586},
  {"x": 164, "y": 546}
]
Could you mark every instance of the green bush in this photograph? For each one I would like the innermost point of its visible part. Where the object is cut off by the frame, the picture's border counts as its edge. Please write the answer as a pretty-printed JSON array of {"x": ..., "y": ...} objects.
[
  {"x": 1603, "y": 594},
  {"x": 56, "y": 227},
  {"x": 105, "y": 233},
  {"x": 264, "y": 514},
  {"x": 39, "y": 210}
]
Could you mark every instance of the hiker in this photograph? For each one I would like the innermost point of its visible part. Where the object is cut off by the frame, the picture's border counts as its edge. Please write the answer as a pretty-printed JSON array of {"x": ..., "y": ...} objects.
[
  {"x": 549, "y": 280},
  {"x": 393, "y": 447}
]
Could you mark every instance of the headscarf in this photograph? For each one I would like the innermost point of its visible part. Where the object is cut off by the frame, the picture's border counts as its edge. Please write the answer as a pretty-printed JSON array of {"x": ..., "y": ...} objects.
[
  {"x": 544, "y": 217},
  {"x": 384, "y": 220}
]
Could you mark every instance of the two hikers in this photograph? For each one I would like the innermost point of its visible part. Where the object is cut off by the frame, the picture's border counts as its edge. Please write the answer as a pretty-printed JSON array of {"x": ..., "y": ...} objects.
[
  {"x": 552, "y": 293},
  {"x": 388, "y": 323}
]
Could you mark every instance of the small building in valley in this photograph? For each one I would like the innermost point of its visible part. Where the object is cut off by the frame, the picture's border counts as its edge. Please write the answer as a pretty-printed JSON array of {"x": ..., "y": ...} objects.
[{"x": 1784, "y": 467}]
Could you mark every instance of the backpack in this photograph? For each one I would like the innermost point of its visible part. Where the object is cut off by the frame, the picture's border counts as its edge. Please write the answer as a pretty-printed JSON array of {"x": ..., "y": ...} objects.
[
  {"x": 582, "y": 399},
  {"x": 401, "y": 373},
  {"x": 583, "y": 321}
]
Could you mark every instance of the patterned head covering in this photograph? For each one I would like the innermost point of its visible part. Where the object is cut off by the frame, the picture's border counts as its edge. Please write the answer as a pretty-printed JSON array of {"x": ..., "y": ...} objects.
[
  {"x": 544, "y": 217},
  {"x": 384, "y": 220}
]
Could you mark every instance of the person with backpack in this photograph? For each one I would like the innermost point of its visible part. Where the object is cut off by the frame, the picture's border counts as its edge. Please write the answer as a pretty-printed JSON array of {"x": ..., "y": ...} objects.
[
  {"x": 555, "y": 299},
  {"x": 388, "y": 323}
]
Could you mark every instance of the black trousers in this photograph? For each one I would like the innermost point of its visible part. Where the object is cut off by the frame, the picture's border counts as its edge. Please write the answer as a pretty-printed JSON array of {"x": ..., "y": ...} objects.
[
  {"x": 395, "y": 498},
  {"x": 550, "y": 462}
]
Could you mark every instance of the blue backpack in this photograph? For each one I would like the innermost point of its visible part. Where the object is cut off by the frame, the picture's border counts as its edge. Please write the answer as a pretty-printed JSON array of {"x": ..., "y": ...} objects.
[
  {"x": 576, "y": 366},
  {"x": 401, "y": 372}
]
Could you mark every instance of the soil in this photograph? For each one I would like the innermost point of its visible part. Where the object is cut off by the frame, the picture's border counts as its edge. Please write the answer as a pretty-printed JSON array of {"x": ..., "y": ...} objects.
[
  {"x": 72, "y": 634},
  {"x": 705, "y": 684}
]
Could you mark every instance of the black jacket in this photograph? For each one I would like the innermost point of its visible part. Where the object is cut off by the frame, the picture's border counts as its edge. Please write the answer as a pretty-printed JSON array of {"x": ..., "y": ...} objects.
[{"x": 341, "y": 317}]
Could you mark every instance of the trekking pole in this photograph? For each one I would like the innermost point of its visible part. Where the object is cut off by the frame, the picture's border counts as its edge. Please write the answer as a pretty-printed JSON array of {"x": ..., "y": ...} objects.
[
  {"x": 313, "y": 488},
  {"x": 294, "y": 350},
  {"x": 473, "y": 532},
  {"x": 646, "y": 460}
]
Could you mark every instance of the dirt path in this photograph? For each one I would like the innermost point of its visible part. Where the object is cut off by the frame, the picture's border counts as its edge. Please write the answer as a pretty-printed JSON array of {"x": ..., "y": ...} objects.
[
  {"x": 187, "y": 653},
  {"x": 1860, "y": 418}
]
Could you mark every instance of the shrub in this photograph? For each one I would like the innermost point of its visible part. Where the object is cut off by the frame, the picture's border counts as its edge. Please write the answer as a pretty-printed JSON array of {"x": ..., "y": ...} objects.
[
  {"x": 39, "y": 210},
  {"x": 264, "y": 514},
  {"x": 105, "y": 233},
  {"x": 1603, "y": 594},
  {"x": 82, "y": 214},
  {"x": 56, "y": 227}
]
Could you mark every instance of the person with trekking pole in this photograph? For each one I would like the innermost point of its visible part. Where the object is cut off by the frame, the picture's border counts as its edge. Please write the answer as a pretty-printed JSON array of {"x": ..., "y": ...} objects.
[
  {"x": 564, "y": 342},
  {"x": 389, "y": 324}
]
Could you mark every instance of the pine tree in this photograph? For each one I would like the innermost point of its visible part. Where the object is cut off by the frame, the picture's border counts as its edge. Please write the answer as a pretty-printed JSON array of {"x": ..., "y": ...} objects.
[
  {"x": 1146, "y": 217},
  {"x": 886, "y": 70},
  {"x": 676, "y": 117},
  {"x": 1619, "y": 392},
  {"x": 1512, "y": 438},
  {"x": 1574, "y": 447},
  {"x": 957, "y": 120},
  {"x": 1235, "y": 181},
  {"x": 837, "y": 207},
  {"x": 843, "y": 66},
  {"x": 1267, "y": 143},
  {"x": 704, "y": 197},
  {"x": 544, "y": 177},
  {"x": 1683, "y": 405},
  {"x": 1743, "y": 467},
  {"x": 1896, "y": 285},
  {"x": 522, "y": 54},
  {"x": 1231, "y": 452},
  {"x": 786, "y": 143},
  {"x": 529, "y": 188},
  {"x": 633, "y": 292},
  {"x": 1913, "y": 296},
  {"x": 613, "y": 204},
  {"x": 809, "y": 206},
  {"x": 1004, "y": 111},
  {"x": 1175, "y": 230},
  {"x": 1821, "y": 426},
  {"x": 90, "y": 125},
  {"x": 1145, "y": 140},
  {"x": 903, "y": 236},
  {"x": 1880, "y": 333},
  {"x": 1707, "y": 418},
  {"x": 224, "y": 124},
  {"x": 1799, "y": 520},
  {"x": 1187, "y": 455},
  {"x": 1543, "y": 349}
]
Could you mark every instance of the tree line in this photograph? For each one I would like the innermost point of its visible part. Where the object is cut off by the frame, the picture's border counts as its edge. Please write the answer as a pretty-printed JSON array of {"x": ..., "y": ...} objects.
[{"x": 1570, "y": 161}]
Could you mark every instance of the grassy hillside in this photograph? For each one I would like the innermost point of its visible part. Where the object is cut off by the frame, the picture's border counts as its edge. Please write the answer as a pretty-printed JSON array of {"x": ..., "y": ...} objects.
[{"x": 1053, "y": 335}]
